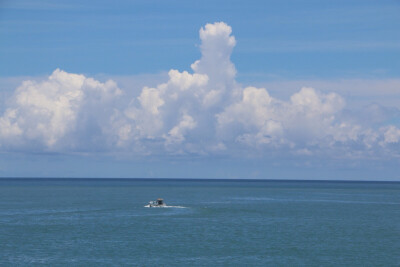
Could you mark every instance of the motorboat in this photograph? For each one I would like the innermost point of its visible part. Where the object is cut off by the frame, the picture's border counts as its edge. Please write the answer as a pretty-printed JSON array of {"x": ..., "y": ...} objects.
[{"x": 159, "y": 203}]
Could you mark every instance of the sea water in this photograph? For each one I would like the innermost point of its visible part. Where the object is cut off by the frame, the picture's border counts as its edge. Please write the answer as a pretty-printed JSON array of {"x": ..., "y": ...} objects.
[{"x": 103, "y": 222}]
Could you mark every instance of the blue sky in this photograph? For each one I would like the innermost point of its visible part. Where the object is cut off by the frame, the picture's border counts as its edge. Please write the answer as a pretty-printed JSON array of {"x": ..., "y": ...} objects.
[
  {"x": 307, "y": 90},
  {"x": 292, "y": 39}
]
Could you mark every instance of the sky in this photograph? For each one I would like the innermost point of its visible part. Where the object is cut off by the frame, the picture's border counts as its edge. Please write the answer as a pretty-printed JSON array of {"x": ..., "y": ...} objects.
[{"x": 200, "y": 89}]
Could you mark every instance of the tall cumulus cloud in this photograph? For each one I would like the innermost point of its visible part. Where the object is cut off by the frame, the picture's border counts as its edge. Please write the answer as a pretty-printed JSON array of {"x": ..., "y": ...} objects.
[{"x": 203, "y": 111}]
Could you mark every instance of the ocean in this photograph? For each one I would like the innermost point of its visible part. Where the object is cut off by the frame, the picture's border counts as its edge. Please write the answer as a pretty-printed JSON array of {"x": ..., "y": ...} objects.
[{"x": 103, "y": 222}]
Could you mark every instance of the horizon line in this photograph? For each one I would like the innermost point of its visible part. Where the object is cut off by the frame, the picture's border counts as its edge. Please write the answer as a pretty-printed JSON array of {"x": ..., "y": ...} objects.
[{"x": 196, "y": 179}]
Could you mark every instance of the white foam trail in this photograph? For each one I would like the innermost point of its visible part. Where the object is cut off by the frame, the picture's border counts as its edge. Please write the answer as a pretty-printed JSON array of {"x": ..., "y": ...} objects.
[{"x": 176, "y": 207}]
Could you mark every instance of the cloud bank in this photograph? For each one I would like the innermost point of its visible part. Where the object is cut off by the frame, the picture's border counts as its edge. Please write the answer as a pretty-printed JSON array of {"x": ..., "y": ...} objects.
[{"x": 203, "y": 112}]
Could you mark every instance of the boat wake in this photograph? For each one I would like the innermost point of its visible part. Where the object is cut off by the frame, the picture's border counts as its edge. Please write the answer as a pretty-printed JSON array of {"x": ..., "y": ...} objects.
[{"x": 163, "y": 207}]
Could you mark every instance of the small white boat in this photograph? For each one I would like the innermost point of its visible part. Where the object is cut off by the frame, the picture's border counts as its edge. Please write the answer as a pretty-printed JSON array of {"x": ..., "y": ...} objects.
[{"x": 159, "y": 203}]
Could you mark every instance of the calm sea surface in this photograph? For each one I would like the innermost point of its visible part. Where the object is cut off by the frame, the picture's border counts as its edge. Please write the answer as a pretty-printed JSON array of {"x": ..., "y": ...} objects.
[{"x": 219, "y": 223}]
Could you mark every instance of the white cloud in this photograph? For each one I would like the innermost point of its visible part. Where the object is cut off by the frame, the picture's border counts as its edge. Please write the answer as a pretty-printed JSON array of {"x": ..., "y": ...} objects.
[
  {"x": 204, "y": 112},
  {"x": 308, "y": 118},
  {"x": 43, "y": 113},
  {"x": 216, "y": 49},
  {"x": 391, "y": 135},
  {"x": 150, "y": 100},
  {"x": 184, "y": 80},
  {"x": 176, "y": 134}
]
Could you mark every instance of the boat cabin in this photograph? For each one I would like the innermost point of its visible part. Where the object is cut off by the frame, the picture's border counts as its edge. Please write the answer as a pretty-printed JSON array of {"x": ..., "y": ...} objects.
[{"x": 160, "y": 201}]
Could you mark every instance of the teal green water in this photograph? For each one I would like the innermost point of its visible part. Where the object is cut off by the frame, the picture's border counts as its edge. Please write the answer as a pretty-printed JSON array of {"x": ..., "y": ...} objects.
[{"x": 224, "y": 223}]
